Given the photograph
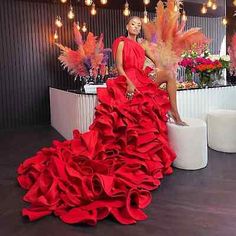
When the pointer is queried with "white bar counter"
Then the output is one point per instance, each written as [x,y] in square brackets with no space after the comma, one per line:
[71,111]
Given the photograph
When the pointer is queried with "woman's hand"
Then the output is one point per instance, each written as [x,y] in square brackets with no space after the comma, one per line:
[130,91]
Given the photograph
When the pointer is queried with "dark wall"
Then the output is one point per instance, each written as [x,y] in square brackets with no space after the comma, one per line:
[231,30]
[28,59]
[231,27]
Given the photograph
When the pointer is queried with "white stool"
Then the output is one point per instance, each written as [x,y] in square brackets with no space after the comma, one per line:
[222,130]
[189,144]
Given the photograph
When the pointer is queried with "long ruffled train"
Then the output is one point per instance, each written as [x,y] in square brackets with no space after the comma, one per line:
[110,169]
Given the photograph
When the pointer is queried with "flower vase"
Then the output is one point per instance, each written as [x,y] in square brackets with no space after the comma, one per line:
[221,77]
[205,80]
[188,75]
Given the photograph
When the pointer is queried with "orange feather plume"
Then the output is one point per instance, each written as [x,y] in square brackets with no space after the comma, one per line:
[90,44]
[89,54]
[167,37]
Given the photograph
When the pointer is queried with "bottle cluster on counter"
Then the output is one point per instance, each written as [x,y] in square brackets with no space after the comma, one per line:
[100,79]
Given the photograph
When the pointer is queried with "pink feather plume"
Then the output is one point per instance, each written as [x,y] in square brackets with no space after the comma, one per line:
[167,37]
[91,50]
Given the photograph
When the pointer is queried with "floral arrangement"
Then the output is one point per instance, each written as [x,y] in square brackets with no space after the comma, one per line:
[201,64]
[88,59]
[207,66]
[167,37]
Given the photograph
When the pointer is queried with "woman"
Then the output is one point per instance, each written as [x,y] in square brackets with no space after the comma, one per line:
[133,28]
[111,169]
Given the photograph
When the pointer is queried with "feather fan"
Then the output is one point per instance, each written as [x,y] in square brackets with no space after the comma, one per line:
[167,37]
[89,55]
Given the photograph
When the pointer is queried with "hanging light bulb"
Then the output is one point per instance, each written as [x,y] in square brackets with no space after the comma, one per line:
[145,16]
[224,21]
[234,2]
[126,11]
[58,22]
[176,8]
[103,2]
[209,3]
[71,13]
[93,10]
[84,27]
[63,1]
[184,17]
[88,2]
[77,25]
[55,36]
[214,6]
[204,9]
[146,2]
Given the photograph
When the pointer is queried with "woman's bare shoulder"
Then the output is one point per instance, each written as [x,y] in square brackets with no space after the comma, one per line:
[121,44]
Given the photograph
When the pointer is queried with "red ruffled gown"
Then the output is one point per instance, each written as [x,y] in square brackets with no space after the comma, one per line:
[111,169]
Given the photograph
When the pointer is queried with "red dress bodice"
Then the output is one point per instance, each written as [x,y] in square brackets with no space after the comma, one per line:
[133,53]
[133,58]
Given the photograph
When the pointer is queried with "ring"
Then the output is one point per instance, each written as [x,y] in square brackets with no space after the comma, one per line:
[130,94]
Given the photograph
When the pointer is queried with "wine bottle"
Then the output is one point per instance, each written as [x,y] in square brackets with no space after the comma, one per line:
[99,78]
[91,79]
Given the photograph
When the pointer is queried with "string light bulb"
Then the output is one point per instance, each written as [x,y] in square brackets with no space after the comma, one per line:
[55,36]
[103,2]
[88,2]
[63,1]
[234,3]
[145,16]
[126,11]
[84,27]
[58,22]
[71,14]
[176,8]
[77,25]
[184,17]
[214,6]
[93,10]
[146,2]
[224,21]
[209,3]
[204,9]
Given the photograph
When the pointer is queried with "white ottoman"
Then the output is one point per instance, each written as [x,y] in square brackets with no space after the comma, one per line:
[222,130]
[189,144]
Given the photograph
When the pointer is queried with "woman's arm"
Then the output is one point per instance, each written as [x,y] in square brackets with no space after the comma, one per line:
[119,64]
